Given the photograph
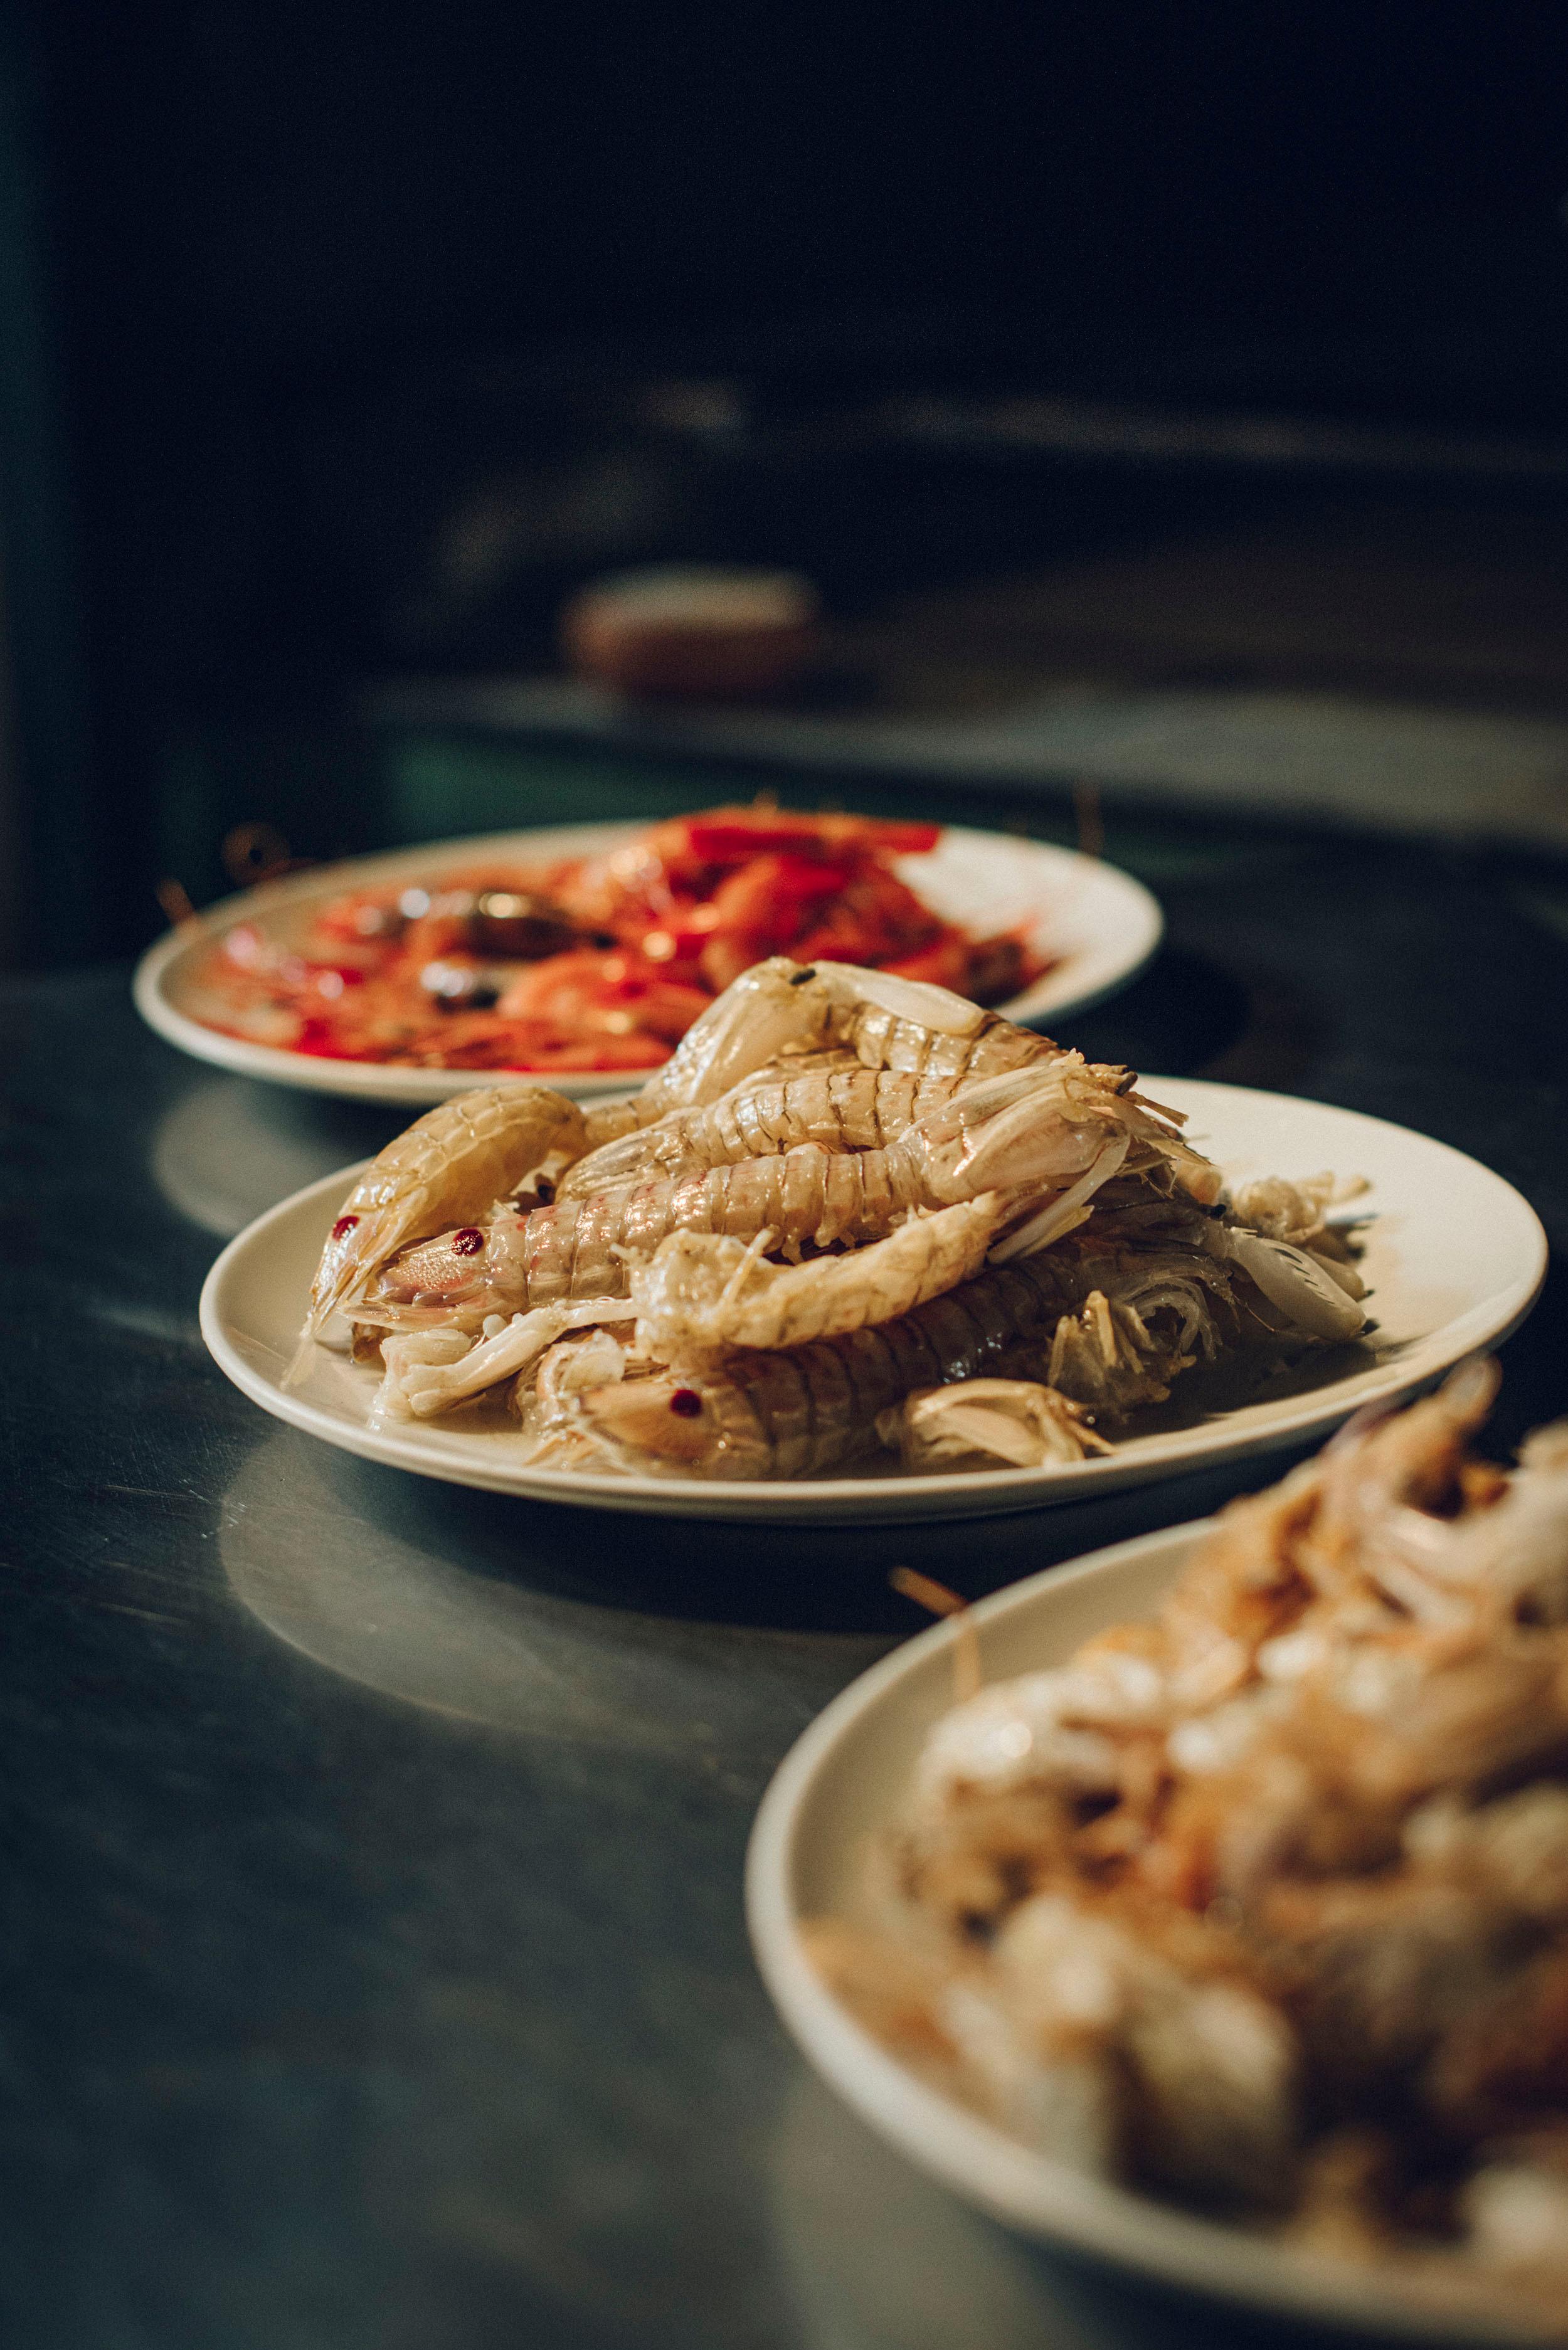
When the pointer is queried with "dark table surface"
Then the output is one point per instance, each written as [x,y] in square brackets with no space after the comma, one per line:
[375,1966]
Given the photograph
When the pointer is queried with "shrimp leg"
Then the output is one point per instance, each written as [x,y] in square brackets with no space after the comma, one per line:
[431,1371]
[1015,1422]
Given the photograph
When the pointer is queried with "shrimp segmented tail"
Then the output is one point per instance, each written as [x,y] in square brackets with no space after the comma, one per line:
[801,1411]
[1029,1131]
[843,1108]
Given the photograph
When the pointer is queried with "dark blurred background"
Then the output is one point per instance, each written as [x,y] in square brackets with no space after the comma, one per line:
[339,344]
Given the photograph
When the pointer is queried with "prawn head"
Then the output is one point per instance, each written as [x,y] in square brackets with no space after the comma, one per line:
[445,1170]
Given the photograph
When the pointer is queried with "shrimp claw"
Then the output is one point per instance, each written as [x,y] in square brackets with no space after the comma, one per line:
[1301,1285]
[773,1004]
[701,1291]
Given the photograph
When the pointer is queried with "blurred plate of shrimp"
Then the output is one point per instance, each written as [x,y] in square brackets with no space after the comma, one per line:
[1172,1906]
[1094,926]
[810,1856]
[1452,1257]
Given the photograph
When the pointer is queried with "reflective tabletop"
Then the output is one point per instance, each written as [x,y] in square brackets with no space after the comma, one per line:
[376,1966]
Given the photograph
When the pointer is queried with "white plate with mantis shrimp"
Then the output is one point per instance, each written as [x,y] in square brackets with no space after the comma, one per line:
[862,1250]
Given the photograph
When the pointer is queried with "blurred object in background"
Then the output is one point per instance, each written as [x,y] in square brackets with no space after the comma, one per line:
[1230,342]
[59,823]
[694,632]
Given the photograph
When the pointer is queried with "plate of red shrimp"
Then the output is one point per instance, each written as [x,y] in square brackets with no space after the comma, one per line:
[863,1249]
[583,953]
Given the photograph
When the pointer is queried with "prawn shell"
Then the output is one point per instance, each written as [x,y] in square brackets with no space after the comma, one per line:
[800,1410]
[842,1107]
[918,1002]
[887,1021]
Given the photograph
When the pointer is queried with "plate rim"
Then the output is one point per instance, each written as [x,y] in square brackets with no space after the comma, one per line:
[954,1494]
[378,1081]
[1112,2225]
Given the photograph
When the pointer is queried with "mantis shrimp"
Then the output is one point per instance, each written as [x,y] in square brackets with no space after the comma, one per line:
[830,1098]
[801,1411]
[1027,1131]
[1096,1327]
[780,1008]
[449,1166]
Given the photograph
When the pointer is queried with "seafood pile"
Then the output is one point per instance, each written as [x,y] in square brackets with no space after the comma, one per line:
[601,962]
[854,1216]
[1263,1902]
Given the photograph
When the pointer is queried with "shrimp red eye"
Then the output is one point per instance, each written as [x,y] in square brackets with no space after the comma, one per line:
[469,1242]
[686,1403]
[343,1227]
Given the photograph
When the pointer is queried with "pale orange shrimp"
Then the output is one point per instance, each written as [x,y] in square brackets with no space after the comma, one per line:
[803,1412]
[843,1106]
[1107,1333]
[779,1007]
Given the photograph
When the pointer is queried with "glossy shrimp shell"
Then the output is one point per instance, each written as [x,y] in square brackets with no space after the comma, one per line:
[579,1248]
[448,1167]
[774,1005]
[780,1007]
[1105,1331]
[843,1106]
[804,1410]
[1021,1133]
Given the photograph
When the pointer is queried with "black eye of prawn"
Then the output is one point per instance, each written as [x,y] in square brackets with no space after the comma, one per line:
[802,976]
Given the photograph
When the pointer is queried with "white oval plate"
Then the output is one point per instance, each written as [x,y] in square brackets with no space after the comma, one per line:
[841,1783]
[1454,1257]
[1102,924]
